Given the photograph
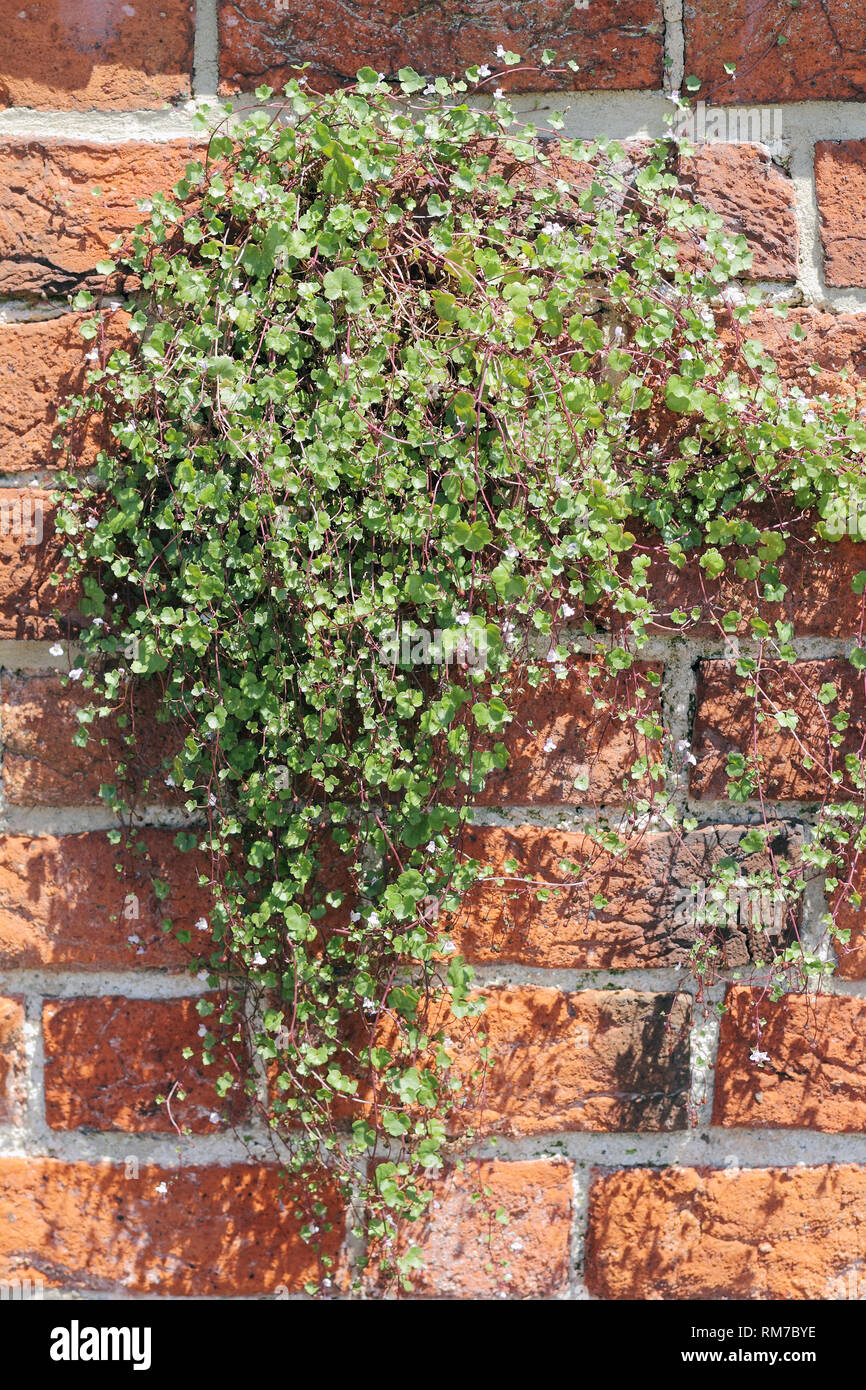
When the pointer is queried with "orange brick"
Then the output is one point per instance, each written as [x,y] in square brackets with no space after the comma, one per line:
[648,921]
[754,198]
[260,42]
[216,1231]
[816,1074]
[468,1253]
[840,184]
[113,56]
[41,364]
[703,1233]
[593,1060]
[13,1061]
[587,742]
[42,766]
[107,1060]
[53,228]
[724,724]
[29,556]
[63,902]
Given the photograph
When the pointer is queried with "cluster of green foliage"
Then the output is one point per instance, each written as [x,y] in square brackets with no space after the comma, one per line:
[405,363]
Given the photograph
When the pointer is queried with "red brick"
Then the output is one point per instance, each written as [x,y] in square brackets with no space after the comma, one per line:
[42,766]
[13,1061]
[468,1253]
[53,230]
[115,56]
[816,1074]
[588,741]
[63,903]
[851,957]
[822,56]
[218,1231]
[42,364]
[616,46]
[29,556]
[647,923]
[592,1060]
[840,185]
[724,723]
[835,343]
[703,1233]
[826,606]
[754,198]
[107,1060]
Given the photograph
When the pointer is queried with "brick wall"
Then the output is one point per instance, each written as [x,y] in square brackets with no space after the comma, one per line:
[640,1154]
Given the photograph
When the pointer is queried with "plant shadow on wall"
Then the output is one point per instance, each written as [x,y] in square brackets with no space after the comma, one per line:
[401,365]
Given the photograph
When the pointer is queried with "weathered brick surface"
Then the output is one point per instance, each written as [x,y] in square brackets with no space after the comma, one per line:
[64,904]
[725,723]
[13,1061]
[835,343]
[754,198]
[814,51]
[616,43]
[851,956]
[53,228]
[215,1230]
[590,1060]
[30,553]
[699,1233]
[468,1253]
[826,606]
[816,1074]
[649,919]
[111,55]
[42,364]
[108,1059]
[557,735]
[42,767]
[840,185]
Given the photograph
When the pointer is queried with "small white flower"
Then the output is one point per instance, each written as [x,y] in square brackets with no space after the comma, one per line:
[259,959]
[99,622]
[756,1055]
[354,916]
[161,1188]
[133,940]
[484,70]
[462,619]
[810,416]
[202,1031]
[552,657]
[429,90]
[91,523]
[381,77]
[91,356]
[550,746]
[211,801]
[214,1117]
[500,50]
[374,920]
[498,94]
[169,781]
[202,975]
[511,552]
[567,610]
[430,847]
[552,229]
[56,650]
[448,948]
[76,673]
[346,359]
[201,924]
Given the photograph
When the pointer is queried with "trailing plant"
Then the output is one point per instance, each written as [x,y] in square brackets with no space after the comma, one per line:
[423,411]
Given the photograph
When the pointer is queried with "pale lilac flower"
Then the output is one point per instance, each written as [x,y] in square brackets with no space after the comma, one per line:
[756,1055]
